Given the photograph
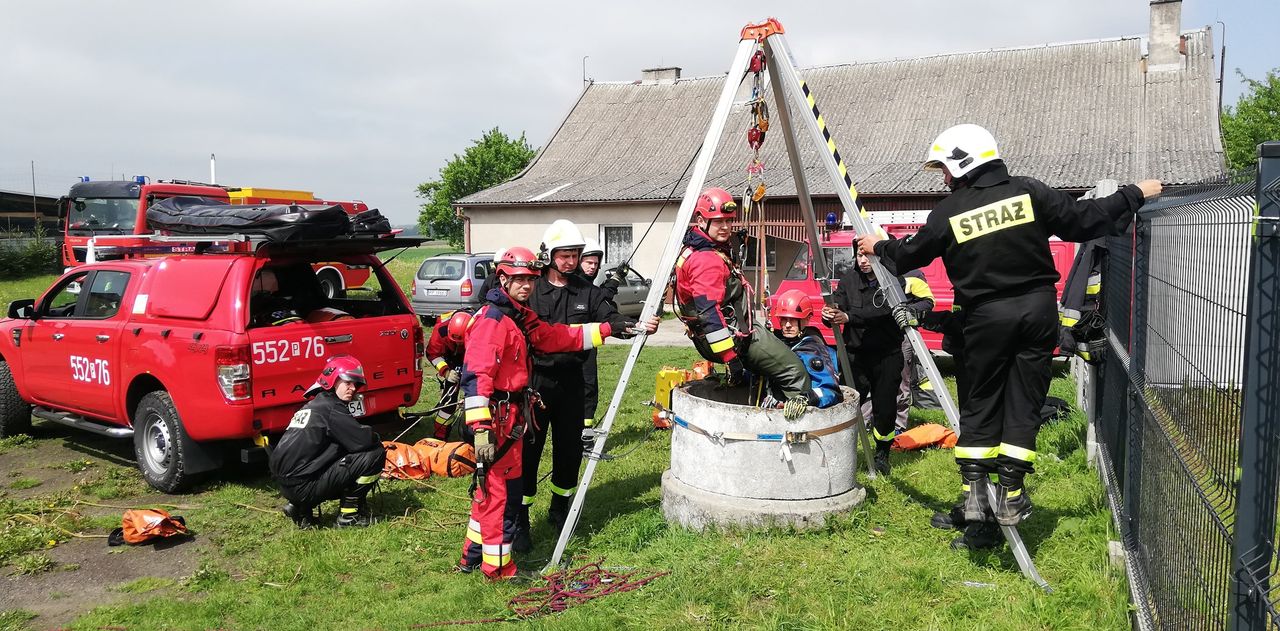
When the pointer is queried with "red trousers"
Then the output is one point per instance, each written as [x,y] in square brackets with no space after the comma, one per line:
[497,503]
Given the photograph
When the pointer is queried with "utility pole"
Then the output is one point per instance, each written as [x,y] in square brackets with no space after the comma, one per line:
[35,212]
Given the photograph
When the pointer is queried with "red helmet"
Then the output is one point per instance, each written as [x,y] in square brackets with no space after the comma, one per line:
[716,203]
[344,367]
[520,261]
[793,303]
[457,327]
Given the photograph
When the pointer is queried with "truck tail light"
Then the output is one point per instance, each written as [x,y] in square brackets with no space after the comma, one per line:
[234,374]
[413,287]
[419,348]
[466,287]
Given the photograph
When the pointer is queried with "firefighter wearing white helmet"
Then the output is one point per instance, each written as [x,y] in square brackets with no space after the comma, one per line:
[992,233]
[563,380]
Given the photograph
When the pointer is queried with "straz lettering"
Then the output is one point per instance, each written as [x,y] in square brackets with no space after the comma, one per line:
[993,217]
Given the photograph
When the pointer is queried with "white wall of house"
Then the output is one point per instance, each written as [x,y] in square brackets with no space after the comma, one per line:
[618,228]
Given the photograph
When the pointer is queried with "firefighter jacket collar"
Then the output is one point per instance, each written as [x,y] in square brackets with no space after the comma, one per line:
[698,240]
[499,298]
[995,173]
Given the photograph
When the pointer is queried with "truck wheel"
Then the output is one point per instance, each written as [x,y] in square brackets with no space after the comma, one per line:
[331,284]
[15,414]
[157,442]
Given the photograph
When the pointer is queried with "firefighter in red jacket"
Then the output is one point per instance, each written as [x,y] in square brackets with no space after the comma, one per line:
[444,351]
[992,234]
[713,299]
[495,377]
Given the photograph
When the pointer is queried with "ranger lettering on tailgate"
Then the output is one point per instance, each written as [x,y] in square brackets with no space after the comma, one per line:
[275,351]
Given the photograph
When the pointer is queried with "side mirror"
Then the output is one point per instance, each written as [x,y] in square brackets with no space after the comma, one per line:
[23,309]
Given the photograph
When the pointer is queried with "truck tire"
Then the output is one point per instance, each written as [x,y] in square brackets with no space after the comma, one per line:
[15,414]
[330,284]
[157,443]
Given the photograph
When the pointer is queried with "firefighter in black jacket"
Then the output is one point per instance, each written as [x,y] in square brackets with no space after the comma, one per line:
[562,296]
[326,453]
[993,233]
[873,335]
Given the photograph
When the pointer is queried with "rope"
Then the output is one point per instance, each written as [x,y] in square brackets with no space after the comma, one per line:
[563,589]
[665,201]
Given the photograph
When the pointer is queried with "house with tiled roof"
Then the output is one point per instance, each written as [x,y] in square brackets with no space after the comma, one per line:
[1070,114]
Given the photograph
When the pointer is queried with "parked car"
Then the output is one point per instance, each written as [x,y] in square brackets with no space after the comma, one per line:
[190,355]
[631,294]
[448,282]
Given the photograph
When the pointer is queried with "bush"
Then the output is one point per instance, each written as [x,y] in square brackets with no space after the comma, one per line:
[23,255]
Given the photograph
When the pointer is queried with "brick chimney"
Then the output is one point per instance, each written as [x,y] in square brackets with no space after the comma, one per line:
[659,76]
[1163,46]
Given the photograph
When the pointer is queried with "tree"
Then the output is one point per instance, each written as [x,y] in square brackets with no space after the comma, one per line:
[493,159]
[1254,119]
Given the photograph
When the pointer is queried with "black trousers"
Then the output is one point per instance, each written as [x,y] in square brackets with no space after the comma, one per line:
[562,392]
[1008,347]
[350,476]
[877,374]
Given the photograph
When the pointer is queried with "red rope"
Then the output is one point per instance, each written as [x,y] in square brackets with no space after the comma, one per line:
[564,589]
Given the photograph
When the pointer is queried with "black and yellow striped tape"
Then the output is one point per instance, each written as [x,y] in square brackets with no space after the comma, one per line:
[831,146]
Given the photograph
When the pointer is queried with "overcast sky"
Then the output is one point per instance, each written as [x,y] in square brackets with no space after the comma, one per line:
[364,100]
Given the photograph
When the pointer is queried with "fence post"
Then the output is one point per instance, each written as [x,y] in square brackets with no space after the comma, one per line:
[1253,548]
[1133,403]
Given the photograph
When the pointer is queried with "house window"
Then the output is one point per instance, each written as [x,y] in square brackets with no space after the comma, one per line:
[617,243]
[752,253]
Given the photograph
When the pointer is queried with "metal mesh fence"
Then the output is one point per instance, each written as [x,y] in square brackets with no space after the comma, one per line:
[1171,401]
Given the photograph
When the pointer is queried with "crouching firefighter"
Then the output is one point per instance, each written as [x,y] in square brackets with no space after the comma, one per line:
[794,309]
[713,299]
[326,453]
[444,350]
[495,378]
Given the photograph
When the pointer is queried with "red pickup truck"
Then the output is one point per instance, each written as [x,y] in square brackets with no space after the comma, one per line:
[193,354]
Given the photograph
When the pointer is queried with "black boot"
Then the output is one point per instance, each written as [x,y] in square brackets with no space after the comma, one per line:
[950,520]
[353,512]
[558,512]
[978,536]
[304,517]
[974,493]
[882,456]
[521,540]
[1013,504]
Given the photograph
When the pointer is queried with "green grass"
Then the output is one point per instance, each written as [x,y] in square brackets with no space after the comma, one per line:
[24,483]
[33,564]
[30,287]
[879,567]
[15,619]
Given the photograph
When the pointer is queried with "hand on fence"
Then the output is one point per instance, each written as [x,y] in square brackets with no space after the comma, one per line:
[1150,188]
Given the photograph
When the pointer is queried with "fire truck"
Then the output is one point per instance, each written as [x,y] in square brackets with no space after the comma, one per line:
[837,244]
[118,207]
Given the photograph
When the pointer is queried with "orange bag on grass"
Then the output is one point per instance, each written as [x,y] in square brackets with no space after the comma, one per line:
[449,460]
[144,524]
[404,462]
[924,436]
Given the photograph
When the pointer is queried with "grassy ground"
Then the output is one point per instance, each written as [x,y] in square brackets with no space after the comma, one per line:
[880,567]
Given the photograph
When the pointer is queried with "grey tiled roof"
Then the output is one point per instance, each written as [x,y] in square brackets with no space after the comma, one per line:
[1069,114]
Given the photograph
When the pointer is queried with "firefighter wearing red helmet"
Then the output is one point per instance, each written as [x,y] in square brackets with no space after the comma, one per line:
[326,453]
[713,299]
[992,233]
[495,377]
[444,351]
[793,310]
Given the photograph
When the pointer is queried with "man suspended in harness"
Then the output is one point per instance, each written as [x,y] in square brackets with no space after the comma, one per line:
[444,351]
[495,378]
[993,233]
[794,310]
[713,298]
[326,453]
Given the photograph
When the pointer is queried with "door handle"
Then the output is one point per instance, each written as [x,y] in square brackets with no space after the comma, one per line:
[103,338]
[58,336]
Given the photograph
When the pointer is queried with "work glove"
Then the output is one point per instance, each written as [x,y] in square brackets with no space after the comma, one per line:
[794,408]
[737,372]
[485,450]
[452,376]
[905,317]
[623,328]
[619,274]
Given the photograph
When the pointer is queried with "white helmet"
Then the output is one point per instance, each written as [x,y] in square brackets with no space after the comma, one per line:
[562,235]
[962,149]
[592,248]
